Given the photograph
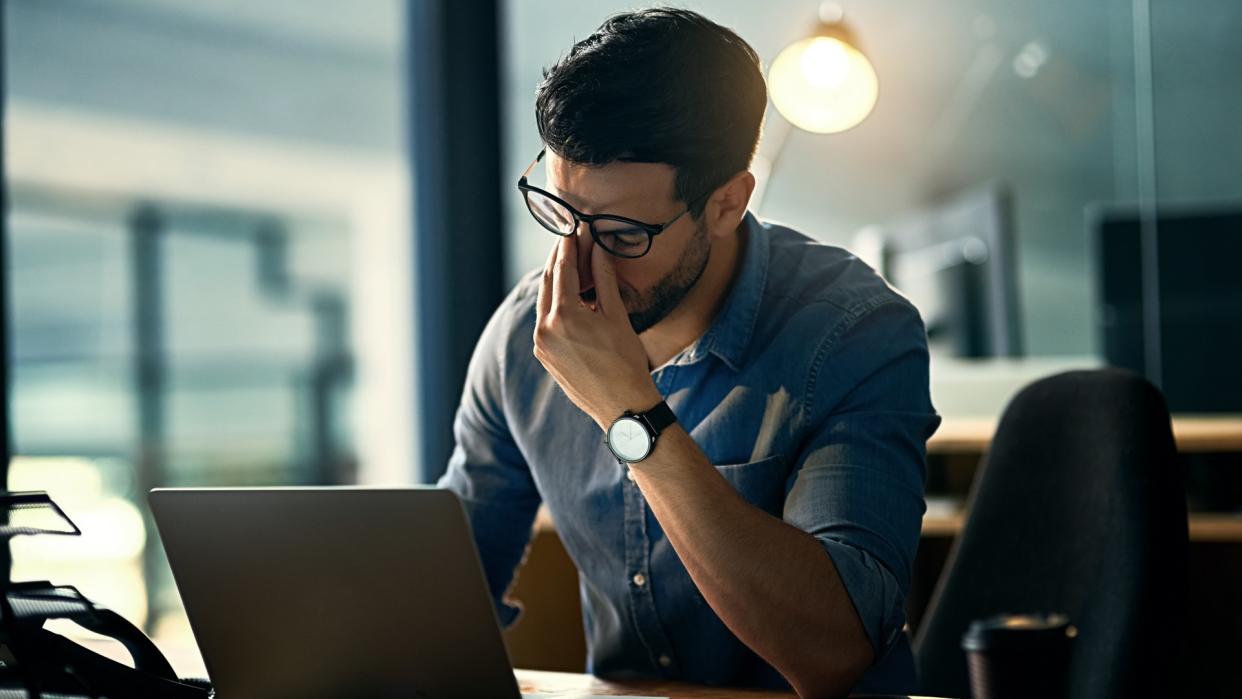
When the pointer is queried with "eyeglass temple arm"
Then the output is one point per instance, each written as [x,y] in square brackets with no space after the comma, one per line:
[532,165]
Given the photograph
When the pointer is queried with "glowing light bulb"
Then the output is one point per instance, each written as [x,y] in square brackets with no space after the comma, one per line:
[823,85]
[825,63]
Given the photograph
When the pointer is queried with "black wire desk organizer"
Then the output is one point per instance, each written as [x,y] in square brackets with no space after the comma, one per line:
[36,662]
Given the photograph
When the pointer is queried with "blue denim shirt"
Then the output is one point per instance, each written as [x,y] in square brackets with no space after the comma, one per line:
[809,393]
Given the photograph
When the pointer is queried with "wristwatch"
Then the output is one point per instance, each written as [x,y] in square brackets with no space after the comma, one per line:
[632,436]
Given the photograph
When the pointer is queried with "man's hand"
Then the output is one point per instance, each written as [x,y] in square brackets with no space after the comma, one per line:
[591,351]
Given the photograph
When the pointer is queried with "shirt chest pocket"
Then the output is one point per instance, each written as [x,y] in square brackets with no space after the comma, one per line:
[761,483]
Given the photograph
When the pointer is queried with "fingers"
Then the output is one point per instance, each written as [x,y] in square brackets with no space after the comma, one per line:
[607,291]
[565,287]
[545,286]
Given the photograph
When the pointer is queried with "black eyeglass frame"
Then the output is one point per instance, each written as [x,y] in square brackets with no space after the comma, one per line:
[651,229]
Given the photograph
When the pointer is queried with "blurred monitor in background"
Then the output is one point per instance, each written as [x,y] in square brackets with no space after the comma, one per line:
[956,262]
[1197,285]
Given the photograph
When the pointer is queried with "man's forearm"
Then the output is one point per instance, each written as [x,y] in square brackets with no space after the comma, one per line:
[771,583]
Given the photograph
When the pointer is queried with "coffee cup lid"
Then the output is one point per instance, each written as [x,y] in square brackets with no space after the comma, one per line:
[1009,630]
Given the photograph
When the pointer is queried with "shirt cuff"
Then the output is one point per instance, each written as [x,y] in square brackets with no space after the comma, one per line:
[877,597]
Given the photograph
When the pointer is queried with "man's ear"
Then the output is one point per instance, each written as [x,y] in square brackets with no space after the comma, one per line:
[727,205]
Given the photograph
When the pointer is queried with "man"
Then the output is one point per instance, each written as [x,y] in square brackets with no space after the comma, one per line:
[756,525]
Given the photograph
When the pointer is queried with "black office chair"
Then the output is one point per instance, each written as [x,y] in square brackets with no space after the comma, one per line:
[1078,508]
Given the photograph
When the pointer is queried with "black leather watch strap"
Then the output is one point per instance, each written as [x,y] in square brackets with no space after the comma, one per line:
[658,418]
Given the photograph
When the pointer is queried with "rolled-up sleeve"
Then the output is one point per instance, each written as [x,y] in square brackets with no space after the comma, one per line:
[487,469]
[857,486]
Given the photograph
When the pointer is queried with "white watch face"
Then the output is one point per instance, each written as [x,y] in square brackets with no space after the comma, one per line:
[629,440]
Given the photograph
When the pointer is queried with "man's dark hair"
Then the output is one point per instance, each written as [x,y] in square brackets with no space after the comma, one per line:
[660,85]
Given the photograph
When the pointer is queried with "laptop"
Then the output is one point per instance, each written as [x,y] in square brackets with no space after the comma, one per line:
[334,592]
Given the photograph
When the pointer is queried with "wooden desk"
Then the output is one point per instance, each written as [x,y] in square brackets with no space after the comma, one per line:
[186,660]
[970,437]
[1194,434]
[569,685]
[1203,526]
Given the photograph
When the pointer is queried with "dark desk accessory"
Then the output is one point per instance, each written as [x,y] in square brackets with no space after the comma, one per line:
[35,662]
[1019,656]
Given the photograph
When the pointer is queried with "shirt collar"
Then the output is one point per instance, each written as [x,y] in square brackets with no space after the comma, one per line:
[730,332]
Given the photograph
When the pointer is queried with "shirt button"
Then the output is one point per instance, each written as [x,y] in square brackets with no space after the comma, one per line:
[639,579]
[629,474]
[665,661]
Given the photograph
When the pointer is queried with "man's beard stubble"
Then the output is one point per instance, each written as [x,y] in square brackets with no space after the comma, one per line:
[671,290]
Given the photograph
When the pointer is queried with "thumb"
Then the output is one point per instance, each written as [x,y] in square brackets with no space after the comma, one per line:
[607,291]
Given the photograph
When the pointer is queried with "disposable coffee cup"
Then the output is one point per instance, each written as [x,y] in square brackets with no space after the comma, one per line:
[1019,656]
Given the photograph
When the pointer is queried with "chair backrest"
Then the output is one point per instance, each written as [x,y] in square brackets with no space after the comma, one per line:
[1078,508]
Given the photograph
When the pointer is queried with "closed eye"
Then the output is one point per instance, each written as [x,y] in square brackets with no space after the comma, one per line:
[626,236]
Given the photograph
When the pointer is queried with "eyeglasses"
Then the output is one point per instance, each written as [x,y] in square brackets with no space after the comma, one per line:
[621,236]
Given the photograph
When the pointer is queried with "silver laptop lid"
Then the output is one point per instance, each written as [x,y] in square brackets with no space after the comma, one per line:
[333,592]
